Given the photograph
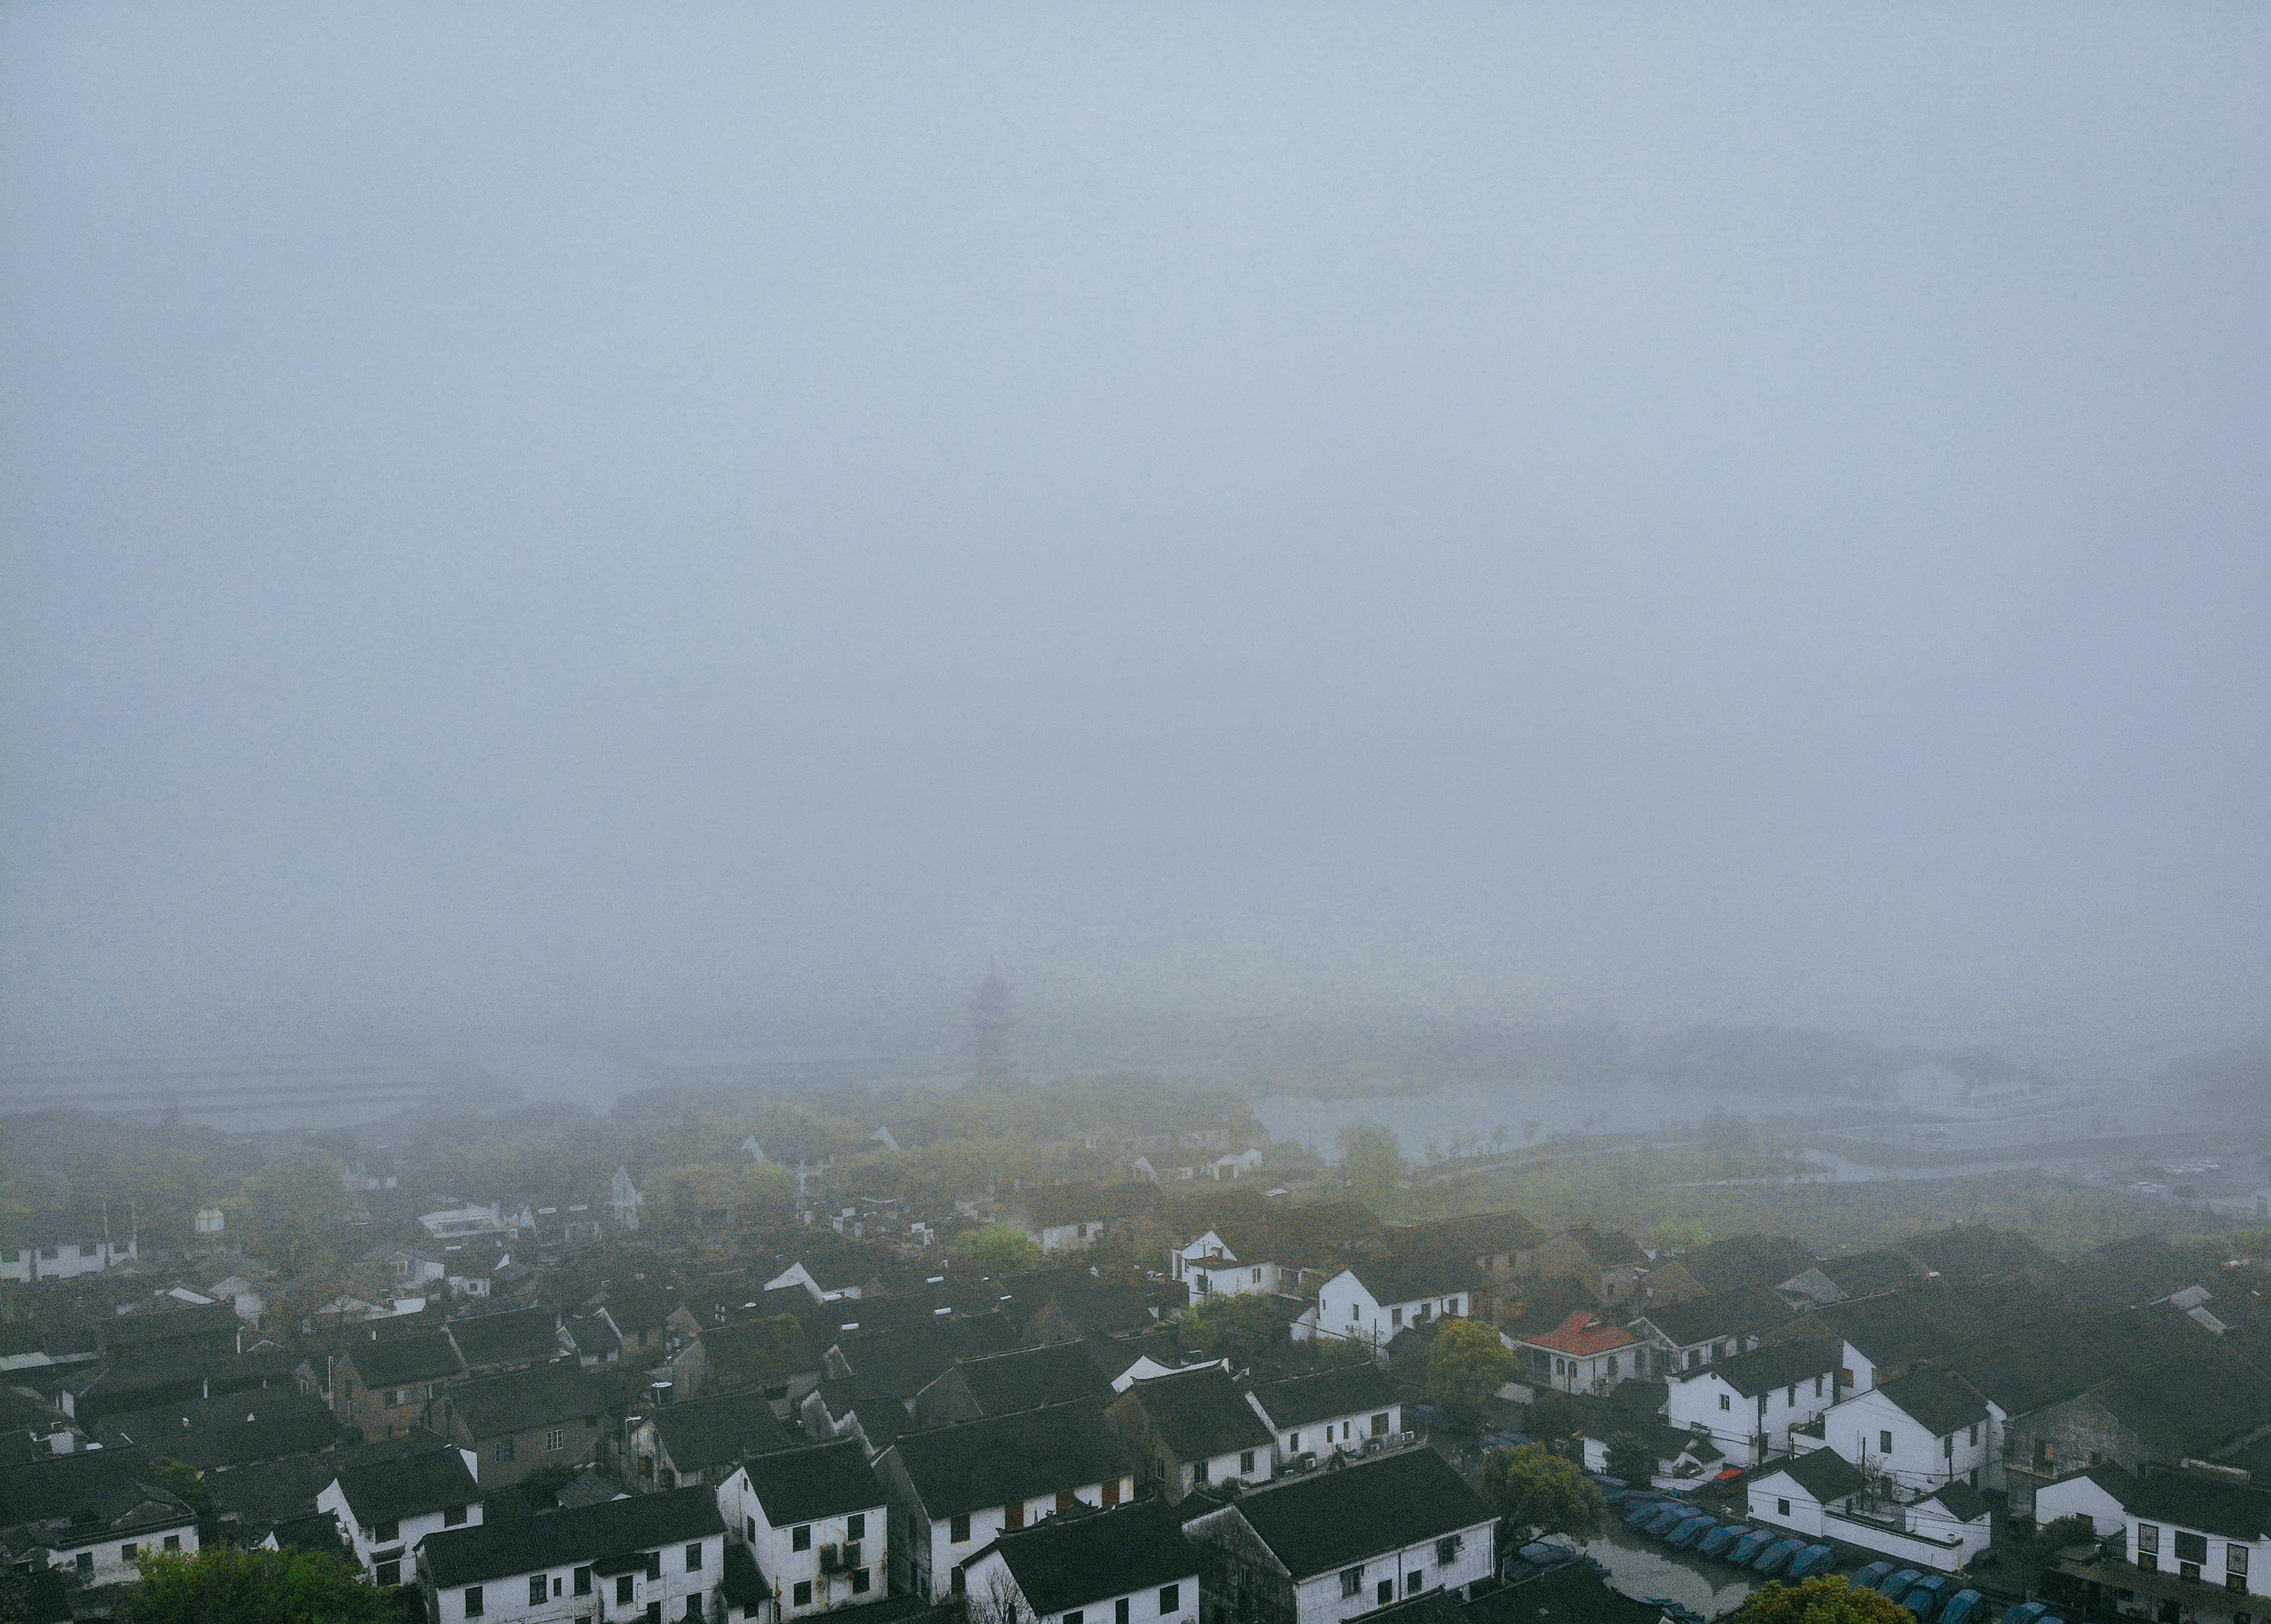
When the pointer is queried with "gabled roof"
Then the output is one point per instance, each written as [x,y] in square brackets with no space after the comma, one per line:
[1324,1395]
[89,1492]
[1936,1400]
[976,1465]
[496,1405]
[1769,1367]
[1027,1378]
[703,1433]
[575,1538]
[1609,1248]
[804,1485]
[1867,1274]
[1582,1335]
[388,1491]
[904,1360]
[1959,1499]
[2190,1500]
[2190,1407]
[398,1361]
[1080,1557]
[1746,1260]
[1747,1310]
[1471,1235]
[1197,1413]
[521,1335]
[1823,1474]
[1415,1277]
[1331,1520]
[230,1431]
[1072,1204]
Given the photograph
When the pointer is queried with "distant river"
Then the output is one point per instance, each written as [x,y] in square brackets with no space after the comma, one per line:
[1480,1107]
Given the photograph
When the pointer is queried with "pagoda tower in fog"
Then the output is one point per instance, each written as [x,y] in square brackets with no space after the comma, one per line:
[993,1033]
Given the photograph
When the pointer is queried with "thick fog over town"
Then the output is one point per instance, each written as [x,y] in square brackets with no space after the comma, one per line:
[1505,725]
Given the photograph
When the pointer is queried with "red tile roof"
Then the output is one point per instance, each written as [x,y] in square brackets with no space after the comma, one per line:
[1583,1334]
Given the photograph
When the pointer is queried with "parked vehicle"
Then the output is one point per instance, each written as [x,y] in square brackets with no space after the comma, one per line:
[1812,1559]
[1749,1545]
[1870,1577]
[1602,1479]
[1689,1532]
[1925,1594]
[1642,1512]
[1666,1519]
[1717,1542]
[1772,1559]
[1547,1554]
[1960,1607]
[1897,1586]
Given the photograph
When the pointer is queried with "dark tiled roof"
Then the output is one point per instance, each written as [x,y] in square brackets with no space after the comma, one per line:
[232,1431]
[387,1491]
[902,1361]
[2189,1407]
[92,1490]
[1332,1519]
[1936,1400]
[745,1587]
[1823,1474]
[1865,1274]
[2234,1510]
[980,1465]
[1028,1378]
[1410,1279]
[1072,1204]
[1772,1366]
[1960,1501]
[1472,1234]
[703,1433]
[1745,1310]
[1303,1400]
[1074,1559]
[523,1335]
[1746,1260]
[397,1361]
[570,1538]
[825,1479]
[496,1406]
[1612,1248]
[1198,1414]
[1572,1594]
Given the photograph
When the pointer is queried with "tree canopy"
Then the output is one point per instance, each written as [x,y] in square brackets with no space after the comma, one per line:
[225,1584]
[1826,1600]
[1370,1160]
[1530,1486]
[1466,1364]
[998,1248]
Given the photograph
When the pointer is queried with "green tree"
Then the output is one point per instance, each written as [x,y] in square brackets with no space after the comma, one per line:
[1827,1600]
[1370,1160]
[1528,1485]
[1466,1365]
[292,1212]
[179,1478]
[1242,1323]
[1631,1458]
[225,1584]
[2043,1548]
[1554,1416]
[998,1248]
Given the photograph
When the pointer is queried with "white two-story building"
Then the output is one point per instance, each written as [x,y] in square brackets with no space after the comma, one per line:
[1748,1404]
[816,1523]
[1916,1432]
[645,1556]
[1131,1563]
[1371,1302]
[388,1507]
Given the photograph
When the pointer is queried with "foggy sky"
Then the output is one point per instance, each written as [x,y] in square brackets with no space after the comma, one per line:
[648,512]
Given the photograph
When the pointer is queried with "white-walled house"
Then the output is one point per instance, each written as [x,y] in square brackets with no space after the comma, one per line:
[1372,1302]
[387,1507]
[1209,1268]
[1796,1494]
[62,1249]
[644,1555]
[816,1521]
[1584,1354]
[1748,1404]
[2101,1494]
[1823,1495]
[623,1195]
[1337,1410]
[2201,1539]
[1335,1544]
[1193,1430]
[94,1512]
[953,1490]
[1918,1431]
[1131,1563]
